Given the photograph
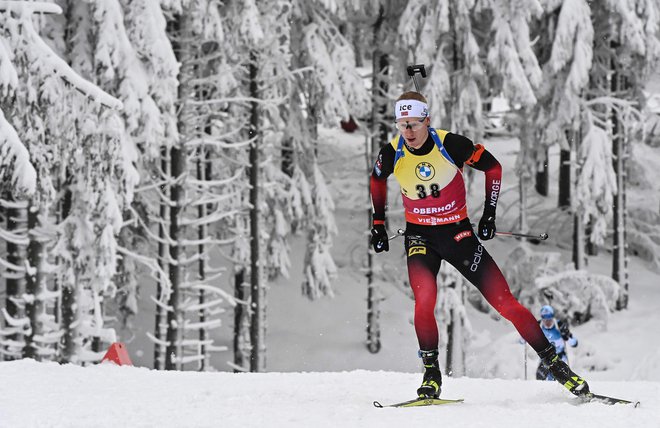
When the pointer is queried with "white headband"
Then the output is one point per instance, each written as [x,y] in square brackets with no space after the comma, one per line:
[410,108]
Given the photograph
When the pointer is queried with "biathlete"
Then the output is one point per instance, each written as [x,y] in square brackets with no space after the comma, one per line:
[428,165]
[558,332]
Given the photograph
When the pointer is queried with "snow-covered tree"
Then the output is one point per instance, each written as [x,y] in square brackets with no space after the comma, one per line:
[326,88]
[445,39]
[627,47]
[205,175]
[50,102]
[146,29]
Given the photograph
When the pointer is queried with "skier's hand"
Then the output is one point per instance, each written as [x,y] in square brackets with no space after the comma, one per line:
[487,228]
[563,329]
[379,239]
[572,342]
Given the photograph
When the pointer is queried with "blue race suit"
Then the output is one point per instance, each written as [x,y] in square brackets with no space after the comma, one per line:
[559,335]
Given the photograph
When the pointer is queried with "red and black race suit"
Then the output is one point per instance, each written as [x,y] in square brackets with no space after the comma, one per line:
[442,230]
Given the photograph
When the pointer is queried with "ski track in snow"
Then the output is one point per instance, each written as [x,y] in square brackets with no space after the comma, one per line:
[107,396]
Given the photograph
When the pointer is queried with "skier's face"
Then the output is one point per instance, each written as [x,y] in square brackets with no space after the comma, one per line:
[548,322]
[414,130]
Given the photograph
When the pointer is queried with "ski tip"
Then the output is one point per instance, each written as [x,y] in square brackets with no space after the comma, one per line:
[377,404]
[604,399]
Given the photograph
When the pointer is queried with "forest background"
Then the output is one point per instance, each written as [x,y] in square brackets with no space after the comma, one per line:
[166,164]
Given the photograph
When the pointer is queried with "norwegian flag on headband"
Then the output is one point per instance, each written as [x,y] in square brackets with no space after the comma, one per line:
[404,113]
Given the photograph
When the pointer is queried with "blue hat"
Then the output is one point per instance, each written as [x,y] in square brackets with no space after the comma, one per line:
[547,312]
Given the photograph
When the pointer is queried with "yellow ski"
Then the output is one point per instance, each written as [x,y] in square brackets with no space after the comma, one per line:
[420,401]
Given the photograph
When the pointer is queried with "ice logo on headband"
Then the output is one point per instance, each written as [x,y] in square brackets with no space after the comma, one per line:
[411,108]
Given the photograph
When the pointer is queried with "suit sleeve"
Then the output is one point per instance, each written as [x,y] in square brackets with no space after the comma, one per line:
[383,167]
[463,151]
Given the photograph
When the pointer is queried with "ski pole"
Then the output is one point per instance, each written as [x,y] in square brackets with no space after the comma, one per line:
[399,232]
[525,354]
[413,70]
[542,236]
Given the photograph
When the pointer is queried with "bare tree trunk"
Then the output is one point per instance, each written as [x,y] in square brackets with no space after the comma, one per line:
[380,89]
[451,338]
[255,283]
[160,325]
[35,285]
[579,243]
[178,158]
[524,173]
[68,300]
[373,300]
[14,280]
[591,248]
[203,173]
[380,85]
[174,316]
[457,63]
[620,245]
[564,200]
[542,183]
[455,352]
[240,319]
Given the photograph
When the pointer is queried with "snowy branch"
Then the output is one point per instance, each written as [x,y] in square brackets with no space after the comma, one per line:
[15,157]
[66,73]
[15,322]
[30,7]
[147,261]
[216,216]
[211,289]
[14,238]
[205,325]
[156,340]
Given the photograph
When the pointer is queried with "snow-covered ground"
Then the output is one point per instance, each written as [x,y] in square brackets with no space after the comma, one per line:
[319,370]
[107,396]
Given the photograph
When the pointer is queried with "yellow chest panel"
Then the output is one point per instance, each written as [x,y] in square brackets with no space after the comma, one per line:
[432,171]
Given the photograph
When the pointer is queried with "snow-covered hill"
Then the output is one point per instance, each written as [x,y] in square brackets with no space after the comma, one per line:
[39,395]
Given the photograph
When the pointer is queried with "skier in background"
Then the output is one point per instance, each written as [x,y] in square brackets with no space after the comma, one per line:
[557,332]
[428,165]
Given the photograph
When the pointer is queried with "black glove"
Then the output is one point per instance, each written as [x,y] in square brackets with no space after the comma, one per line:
[379,239]
[563,329]
[486,227]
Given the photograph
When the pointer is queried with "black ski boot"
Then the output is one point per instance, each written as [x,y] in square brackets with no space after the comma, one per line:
[562,373]
[432,376]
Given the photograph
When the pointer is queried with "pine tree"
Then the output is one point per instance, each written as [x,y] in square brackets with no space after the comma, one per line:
[515,65]
[46,127]
[627,47]
[145,28]
[199,32]
[387,15]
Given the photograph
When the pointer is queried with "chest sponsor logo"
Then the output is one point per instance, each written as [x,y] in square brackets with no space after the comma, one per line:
[416,250]
[435,210]
[461,235]
[424,171]
[438,220]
